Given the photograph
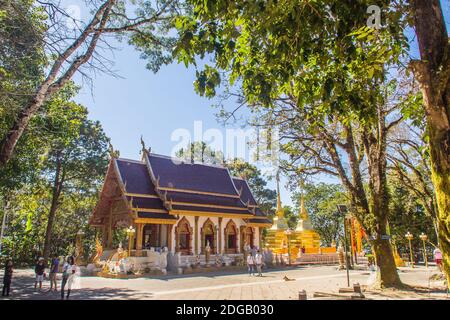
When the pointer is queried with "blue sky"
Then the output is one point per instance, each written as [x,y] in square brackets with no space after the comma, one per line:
[151,105]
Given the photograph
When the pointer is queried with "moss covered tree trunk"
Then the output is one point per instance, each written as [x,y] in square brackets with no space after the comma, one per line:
[433,75]
[375,145]
[384,257]
[371,206]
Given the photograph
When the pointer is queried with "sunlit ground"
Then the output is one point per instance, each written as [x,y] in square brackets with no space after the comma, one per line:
[236,286]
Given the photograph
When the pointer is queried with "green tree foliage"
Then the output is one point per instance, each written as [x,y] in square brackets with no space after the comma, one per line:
[291,217]
[62,51]
[77,158]
[55,197]
[319,58]
[321,202]
[21,67]
[22,56]
[199,151]
[408,214]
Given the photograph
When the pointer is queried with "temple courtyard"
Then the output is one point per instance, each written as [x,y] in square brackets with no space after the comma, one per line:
[320,282]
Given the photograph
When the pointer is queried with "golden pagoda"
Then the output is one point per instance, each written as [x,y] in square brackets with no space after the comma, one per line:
[303,236]
[309,237]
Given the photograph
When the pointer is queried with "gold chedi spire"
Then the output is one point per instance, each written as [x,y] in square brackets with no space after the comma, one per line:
[303,213]
[304,223]
[280,211]
[279,221]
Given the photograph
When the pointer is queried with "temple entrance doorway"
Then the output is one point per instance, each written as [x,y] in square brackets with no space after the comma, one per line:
[247,237]
[208,236]
[231,234]
[183,236]
[155,236]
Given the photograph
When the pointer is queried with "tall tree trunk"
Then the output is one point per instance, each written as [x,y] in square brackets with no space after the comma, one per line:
[384,257]
[379,207]
[371,212]
[8,143]
[52,83]
[433,75]
[56,192]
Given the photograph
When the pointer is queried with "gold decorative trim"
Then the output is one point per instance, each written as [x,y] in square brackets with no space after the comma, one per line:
[209,214]
[254,224]
[150,210]
[208,206]
[141,195]
[200,192]
[154,221]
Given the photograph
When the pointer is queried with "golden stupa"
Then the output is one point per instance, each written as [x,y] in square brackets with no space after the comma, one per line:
[303,236]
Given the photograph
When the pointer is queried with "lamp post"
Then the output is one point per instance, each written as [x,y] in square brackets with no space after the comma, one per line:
[424,239]
[288,233]
[342,209]
[409,236]
[130,232]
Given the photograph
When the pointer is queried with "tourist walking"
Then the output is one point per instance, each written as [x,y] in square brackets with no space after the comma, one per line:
[39,270]
[66,272]
[251,265]
[438,258]
[7,278]
[74,279]
[259,262]
[53,271]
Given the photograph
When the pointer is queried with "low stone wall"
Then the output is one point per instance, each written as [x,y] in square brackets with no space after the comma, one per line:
[181,264]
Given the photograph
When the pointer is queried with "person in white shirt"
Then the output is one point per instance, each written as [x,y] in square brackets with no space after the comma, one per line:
[66,273]
[259,262]
[74,279]
[251,265]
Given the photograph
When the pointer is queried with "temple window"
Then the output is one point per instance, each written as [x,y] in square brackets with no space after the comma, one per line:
[247,237]
[183,237]
[230,237]
[208,236]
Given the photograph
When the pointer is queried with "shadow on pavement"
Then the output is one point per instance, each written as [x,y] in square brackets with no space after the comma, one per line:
[22,288]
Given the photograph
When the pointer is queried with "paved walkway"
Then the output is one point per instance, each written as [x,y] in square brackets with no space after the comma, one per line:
[231,286]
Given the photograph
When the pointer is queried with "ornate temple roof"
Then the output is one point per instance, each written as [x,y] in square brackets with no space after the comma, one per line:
[244,190]
[160,187]
[175,174]
[135,177]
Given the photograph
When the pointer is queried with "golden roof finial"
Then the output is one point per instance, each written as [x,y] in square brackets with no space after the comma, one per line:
[113,153]
[144,148]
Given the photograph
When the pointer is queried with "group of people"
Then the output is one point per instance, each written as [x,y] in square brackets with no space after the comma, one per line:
[70,275]
[255,261]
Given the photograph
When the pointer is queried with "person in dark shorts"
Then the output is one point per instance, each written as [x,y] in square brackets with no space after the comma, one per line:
[7,278]
[39,270]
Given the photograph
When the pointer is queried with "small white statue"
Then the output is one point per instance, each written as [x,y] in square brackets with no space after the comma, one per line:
[218,261]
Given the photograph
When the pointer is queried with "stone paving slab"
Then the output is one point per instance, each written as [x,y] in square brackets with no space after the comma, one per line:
[229,286]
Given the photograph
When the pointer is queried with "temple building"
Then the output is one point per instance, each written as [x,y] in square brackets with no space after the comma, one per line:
[177,206]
